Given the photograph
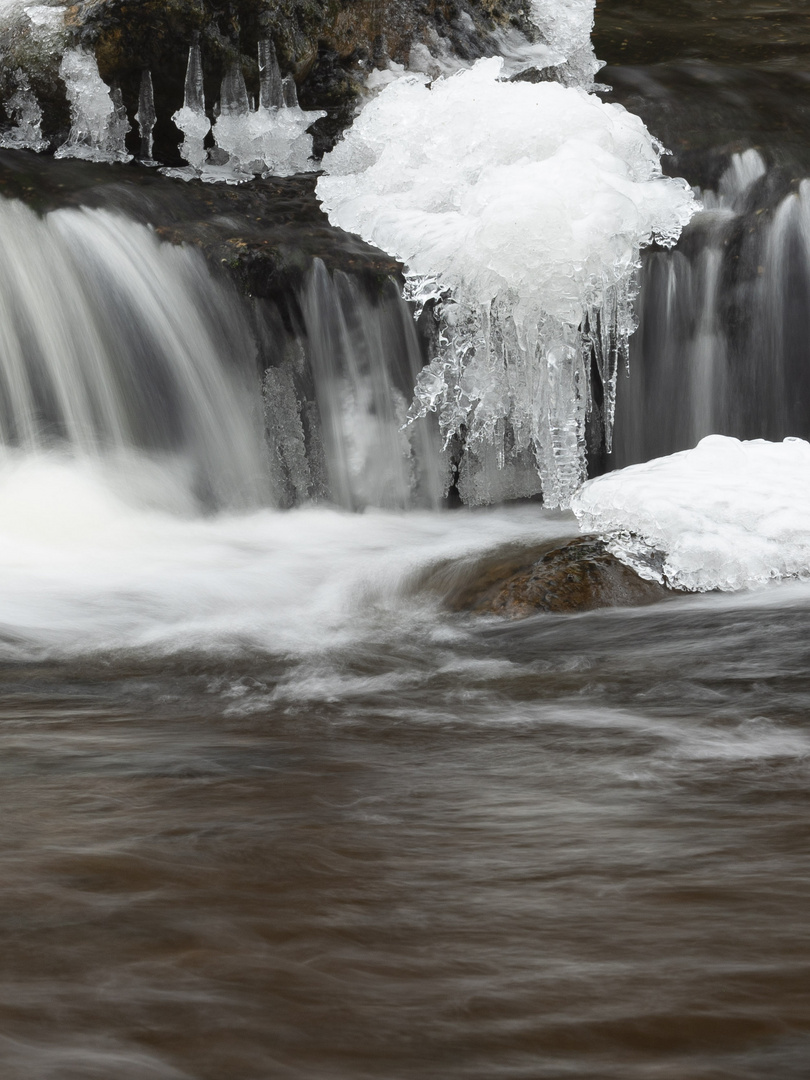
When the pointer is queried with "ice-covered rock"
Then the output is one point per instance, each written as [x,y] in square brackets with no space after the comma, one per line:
[98,118]
[523,208]
[726,515]
[23,108]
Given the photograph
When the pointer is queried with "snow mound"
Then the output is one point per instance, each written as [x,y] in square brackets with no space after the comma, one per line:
[524,207]
[726,515]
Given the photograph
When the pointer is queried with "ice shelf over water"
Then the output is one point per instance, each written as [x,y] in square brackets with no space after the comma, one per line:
[523,208]
[726,515]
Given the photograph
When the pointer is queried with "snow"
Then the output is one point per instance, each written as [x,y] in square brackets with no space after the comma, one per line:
[726,515]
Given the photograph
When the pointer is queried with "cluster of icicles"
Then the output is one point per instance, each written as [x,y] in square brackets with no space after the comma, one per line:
[249,140]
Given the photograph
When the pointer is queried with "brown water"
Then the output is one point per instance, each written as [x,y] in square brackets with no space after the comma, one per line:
[384,841]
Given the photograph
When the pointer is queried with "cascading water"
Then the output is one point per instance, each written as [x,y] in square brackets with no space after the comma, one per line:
[117,348]
[721,344]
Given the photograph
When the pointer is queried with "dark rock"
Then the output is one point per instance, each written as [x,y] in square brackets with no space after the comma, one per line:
[263,235]
[580,575]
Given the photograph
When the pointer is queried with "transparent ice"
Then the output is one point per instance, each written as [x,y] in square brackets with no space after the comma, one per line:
[23,108]
[191,119]
[146,117]
[98,119]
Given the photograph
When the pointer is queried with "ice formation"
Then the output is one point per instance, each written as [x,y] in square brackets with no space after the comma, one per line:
[191,119]
[726,515]
[24,109]
[98,118]
[522,207]
[566,28]
[269,140]
[146,117]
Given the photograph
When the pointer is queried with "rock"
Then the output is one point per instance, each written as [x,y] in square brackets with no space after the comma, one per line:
[328,45]
[264,235]
[580,575]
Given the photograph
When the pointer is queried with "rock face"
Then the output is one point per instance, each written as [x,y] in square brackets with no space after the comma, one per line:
[328,45]
[263,236]
[580,575]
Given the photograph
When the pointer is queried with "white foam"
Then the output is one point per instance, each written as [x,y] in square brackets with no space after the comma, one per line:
[726,515]
[528,203]
[91,562]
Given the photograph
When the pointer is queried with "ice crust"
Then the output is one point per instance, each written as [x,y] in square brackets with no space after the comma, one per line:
[522,208]
[98,118]
[726,515]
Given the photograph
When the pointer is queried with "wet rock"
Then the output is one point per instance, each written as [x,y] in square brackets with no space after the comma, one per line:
[580,575]
[264,235]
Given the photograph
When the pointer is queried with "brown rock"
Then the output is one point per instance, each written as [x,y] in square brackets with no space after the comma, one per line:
[580,575]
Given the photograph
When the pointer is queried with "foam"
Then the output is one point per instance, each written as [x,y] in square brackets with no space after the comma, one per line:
[726,515]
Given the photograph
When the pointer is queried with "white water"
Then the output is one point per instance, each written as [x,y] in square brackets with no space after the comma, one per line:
[89,566]
[112,342]
[723,324]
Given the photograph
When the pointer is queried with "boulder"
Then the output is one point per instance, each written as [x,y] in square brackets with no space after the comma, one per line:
[580,575]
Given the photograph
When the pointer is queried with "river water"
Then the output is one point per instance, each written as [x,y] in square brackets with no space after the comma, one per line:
[269,809]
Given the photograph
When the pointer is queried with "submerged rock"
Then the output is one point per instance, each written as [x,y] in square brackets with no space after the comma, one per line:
[580,575]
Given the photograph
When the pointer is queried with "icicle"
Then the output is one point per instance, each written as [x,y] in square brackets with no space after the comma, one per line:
[24,109]
[191,119]
[280,143]
[270,93]
[289,92]
[146,117]
[233,131]
[98,119]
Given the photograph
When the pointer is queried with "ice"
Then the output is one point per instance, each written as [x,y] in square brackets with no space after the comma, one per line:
[271,140]
[523,208]
[146,117]
[566,27]
[232,129]
[191,119]
[271,95]
[98,119]
[24,109]
[726,515]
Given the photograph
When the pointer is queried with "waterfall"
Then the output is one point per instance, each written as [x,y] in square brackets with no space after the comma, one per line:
[723,323]
[122,351]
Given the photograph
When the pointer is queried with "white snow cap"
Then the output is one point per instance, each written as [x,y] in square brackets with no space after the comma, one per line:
[529,204]
[726,515]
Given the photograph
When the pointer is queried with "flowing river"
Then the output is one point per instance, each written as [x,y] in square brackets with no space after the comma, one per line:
[270,809]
